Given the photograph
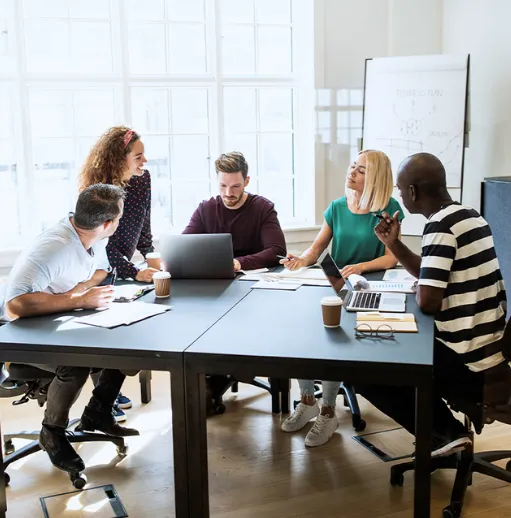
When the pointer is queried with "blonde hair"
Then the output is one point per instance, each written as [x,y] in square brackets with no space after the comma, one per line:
[233,162]
[378,183]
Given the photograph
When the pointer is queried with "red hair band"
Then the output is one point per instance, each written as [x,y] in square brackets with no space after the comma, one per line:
[127,137]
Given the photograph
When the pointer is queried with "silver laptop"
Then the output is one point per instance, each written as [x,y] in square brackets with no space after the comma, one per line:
[359,300]
[197,256]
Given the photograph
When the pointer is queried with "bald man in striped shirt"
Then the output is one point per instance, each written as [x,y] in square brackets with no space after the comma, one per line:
[460,283]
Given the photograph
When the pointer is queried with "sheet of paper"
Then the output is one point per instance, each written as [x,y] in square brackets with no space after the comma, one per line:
[302,273]
[398,275]
[122,314]
[254,272]
[279,285]
[389,286]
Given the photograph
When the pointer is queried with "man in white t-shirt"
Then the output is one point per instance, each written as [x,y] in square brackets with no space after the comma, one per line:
[62,271]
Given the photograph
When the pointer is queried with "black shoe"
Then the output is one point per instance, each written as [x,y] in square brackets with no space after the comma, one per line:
[62,455]
[93,419]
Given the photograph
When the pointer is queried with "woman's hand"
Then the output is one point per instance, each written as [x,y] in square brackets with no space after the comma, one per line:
[146,275]
[350,269]
[292,262]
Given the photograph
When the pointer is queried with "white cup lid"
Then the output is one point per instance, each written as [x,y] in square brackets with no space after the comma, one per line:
[153,255]
[161,275]
[331,301]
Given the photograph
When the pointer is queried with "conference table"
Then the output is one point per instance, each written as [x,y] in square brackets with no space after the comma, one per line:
[224,327]
[281,334]
[153,344]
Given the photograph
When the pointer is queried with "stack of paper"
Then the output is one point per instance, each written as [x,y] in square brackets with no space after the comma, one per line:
[123,314]
[402,323]
[305,276]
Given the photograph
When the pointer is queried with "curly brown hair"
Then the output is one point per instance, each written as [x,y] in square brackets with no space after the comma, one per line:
[106,160]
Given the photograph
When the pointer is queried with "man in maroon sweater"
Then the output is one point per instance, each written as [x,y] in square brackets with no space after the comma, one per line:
[252,221]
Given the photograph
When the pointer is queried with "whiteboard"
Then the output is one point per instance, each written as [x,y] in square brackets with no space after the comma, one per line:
[415,104]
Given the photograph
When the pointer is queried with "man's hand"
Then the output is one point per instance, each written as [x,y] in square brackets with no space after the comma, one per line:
[237,265]
[388,228]
[97,297]
[350,269]
[146,275]
[292,262]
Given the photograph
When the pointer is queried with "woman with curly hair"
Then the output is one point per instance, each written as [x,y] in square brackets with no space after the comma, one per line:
[118,158]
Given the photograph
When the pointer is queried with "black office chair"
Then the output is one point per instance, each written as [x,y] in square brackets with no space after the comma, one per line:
[217,386]
[32,383]
[467,462]
[350,401]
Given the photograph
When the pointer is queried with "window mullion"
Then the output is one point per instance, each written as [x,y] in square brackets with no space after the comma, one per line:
[24,168]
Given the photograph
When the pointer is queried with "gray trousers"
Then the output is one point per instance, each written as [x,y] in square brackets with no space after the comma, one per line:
[67,385]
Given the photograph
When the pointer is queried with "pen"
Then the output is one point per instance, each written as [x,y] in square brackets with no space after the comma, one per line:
[283,257]
[114,276]
[379,216]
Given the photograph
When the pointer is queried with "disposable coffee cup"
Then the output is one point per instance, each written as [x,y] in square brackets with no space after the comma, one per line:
[331,308]
[161,281]
[153,260]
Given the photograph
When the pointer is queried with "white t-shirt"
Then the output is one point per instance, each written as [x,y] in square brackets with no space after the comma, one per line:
[55,263]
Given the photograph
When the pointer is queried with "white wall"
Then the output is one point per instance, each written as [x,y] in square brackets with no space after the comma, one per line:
[348,32]
[481,28]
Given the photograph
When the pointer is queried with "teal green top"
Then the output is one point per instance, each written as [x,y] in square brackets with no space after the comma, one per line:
[354,240]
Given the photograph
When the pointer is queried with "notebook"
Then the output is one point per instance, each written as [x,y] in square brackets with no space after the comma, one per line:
[403,323]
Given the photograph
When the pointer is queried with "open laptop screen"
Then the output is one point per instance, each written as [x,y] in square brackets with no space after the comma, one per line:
[332,272]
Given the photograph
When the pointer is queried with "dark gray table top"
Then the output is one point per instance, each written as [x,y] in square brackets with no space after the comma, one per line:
[197,305]
[288,324]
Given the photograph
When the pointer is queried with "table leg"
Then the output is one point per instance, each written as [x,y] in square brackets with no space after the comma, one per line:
[145,386]
[197,444]
[285,396]
[423,425]
[275,395]
[3,497]
[178,400]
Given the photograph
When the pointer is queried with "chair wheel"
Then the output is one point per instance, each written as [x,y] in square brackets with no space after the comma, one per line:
[7,478]
[78,480]
[9,447]
[360,426]
[122,451]
[219,409]
[451,512]
[396,478]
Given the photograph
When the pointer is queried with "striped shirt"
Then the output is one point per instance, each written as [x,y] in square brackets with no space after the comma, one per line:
[458,255]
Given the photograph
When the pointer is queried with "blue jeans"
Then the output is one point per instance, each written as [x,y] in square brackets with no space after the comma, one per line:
[330,390]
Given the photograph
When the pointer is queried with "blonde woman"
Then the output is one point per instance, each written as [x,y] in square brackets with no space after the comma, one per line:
[349,223]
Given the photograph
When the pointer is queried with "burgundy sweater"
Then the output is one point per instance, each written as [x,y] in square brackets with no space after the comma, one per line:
[134,230]
[257,238]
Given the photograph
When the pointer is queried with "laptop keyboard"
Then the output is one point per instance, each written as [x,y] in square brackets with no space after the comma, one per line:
[366,300]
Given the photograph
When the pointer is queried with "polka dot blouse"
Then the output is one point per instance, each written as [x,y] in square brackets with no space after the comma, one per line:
[134,230]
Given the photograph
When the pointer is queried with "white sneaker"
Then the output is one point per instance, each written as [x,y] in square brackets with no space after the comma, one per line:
[451,447]
[300,417]
[323,429]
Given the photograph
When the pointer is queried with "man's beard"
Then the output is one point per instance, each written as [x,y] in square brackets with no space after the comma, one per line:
[232,201]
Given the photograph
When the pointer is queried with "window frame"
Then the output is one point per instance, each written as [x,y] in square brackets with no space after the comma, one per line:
[300,80]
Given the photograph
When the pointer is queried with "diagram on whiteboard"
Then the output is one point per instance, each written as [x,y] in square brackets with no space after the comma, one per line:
[417,104]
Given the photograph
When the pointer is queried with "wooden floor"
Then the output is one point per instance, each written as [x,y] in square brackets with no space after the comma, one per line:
[255,470]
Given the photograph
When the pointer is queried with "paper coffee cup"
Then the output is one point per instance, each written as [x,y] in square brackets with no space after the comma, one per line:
[331,308]
[153,260]
[161,281]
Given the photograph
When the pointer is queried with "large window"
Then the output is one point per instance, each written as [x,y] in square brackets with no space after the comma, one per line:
[195,78]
